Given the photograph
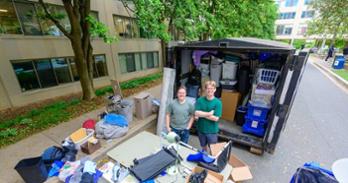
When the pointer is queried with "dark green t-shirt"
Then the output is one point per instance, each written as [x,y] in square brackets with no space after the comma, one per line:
[205,125]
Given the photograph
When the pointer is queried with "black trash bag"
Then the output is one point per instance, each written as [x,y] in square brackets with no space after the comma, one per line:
[310,174]
[32,170]
[52,154]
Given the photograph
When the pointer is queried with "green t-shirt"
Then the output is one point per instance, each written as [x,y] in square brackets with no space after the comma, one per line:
[205,125]
[180,114]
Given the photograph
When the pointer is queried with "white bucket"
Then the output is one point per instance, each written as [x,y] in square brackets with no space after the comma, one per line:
[340,170]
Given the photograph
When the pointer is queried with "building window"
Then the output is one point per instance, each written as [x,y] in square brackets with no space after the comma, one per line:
[61,70]
[290,3]
[48,27]
[302,30]
[26,75]
[289,15]
[43,73]
[32,18]
[28,17]
[100,66]
[131,62]
[283,30]
[307,14]
[9,23]
[126,27]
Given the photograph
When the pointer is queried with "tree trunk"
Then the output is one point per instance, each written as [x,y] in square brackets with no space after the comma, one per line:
[82,70]
[164,52]
[80,40]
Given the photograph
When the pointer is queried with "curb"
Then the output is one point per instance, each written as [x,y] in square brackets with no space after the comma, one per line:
[333,75]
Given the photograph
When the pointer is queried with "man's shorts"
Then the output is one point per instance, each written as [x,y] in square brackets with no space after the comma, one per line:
[207,138]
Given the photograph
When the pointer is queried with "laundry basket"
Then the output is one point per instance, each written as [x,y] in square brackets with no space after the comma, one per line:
[267,76]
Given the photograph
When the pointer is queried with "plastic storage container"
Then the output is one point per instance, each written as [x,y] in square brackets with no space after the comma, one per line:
[240,115]
[267,76]
[254,126]
[229,70]
[32,170]
[126,108]
[257,112]
[262,97]
[228,84]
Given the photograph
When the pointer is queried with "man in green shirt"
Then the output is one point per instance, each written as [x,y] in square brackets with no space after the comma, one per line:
[179,117]
[208,111]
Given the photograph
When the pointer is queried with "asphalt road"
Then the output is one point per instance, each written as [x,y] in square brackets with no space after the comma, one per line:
[317,130]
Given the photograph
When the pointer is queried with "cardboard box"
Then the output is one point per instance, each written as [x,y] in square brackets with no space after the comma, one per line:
[240,170]
[212,177]
[230,100]
[143,105]
[216,148]
[90,148]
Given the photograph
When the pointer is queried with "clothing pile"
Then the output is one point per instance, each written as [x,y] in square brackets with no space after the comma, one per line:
[112,126]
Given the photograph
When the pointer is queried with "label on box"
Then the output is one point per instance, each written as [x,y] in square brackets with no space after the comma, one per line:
[257,112]
[254,124]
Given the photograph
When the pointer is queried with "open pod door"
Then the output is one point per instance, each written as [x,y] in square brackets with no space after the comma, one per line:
[292,75]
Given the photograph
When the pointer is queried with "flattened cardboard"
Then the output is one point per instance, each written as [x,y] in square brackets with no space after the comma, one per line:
[240,170]
[216,148]
[212,177]
[230,102]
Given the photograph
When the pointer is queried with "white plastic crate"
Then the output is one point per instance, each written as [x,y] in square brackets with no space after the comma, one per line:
[90,133]
[267,76]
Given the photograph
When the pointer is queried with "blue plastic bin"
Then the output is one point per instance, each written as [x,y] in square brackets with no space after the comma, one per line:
[339,62]
[257,112]
[254,126]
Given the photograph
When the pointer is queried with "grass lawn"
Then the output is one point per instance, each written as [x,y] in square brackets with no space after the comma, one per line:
[37,119]
[343,73]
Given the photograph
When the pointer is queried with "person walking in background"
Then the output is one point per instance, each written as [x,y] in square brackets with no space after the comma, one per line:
[180,115]
[330,52]
[208,111]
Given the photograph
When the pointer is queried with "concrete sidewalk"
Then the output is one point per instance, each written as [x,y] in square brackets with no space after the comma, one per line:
[34,145]
[326,68]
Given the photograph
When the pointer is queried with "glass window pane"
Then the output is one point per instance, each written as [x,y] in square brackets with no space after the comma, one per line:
[143,61]
[130,62]
[100,65]
[28,17]
[128,28]
[48,27]
[150,61]
[9,23]
[119,28]
[156,59]
[122,61]
[26,75]
[74,69]
[61,69]
[45,73]
[138,63]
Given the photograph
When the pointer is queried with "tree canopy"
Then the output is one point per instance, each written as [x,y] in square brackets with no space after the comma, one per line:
[331,20]
[204,19]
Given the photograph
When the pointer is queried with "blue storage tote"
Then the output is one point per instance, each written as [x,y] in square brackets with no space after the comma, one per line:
[254,126]
[257,112]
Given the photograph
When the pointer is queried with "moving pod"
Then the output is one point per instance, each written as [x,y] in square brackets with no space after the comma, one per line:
[257,81]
